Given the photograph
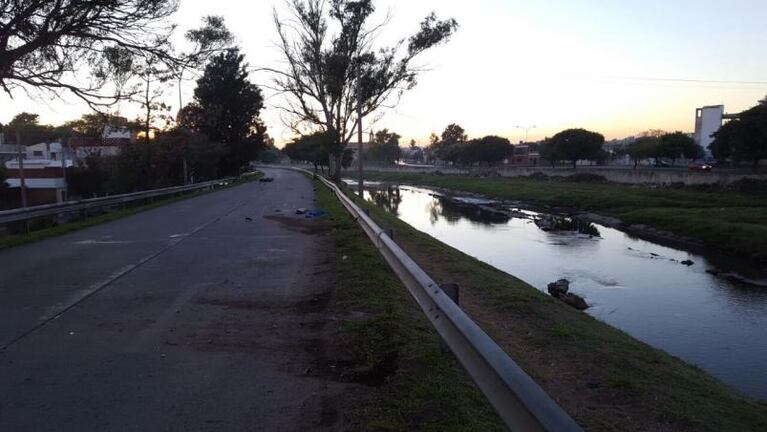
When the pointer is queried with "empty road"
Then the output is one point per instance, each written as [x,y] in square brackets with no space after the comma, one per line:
[198,315]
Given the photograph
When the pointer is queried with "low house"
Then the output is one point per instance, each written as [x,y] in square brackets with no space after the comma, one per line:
[110,143]
[524,155]
[44,176]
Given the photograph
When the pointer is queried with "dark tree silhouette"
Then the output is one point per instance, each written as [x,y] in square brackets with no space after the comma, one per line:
[385,147]
[678,144]
[46,44]
[744,138]
[577,144]
[226,108]
[490,150]
[642,148]
[315,148]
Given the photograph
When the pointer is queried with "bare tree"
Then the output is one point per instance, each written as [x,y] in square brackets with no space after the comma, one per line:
[49,44]
[328,75]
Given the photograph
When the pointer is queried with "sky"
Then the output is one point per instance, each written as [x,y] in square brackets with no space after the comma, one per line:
[520,66]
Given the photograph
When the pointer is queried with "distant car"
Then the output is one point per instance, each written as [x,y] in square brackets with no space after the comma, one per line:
[699,166]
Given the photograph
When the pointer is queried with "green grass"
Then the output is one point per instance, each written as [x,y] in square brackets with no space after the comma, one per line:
[428,391]
[603,377]
[724,221]
[13,240]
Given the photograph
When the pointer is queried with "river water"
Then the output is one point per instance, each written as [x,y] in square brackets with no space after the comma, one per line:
[638,286]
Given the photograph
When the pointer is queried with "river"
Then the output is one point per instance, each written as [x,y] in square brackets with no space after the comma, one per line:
[638,286]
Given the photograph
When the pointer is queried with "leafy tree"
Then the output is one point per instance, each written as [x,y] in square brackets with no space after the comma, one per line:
[456,153]
[48,44]
[269,155]
[179,146]
[722,145]
[89,178]
[315,148]
[28,125]
[450,137]
[642,148]
[549,152]
[678,144]
[385,147]
[490,149]
[453,134]
[130,171]
[744,138]
[226,109]
[3,178]
[433,139]
[577,144]
[329,72]
[6,200]
[93,124]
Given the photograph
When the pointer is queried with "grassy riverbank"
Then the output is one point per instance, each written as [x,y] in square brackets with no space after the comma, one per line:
[603,377]
[387,343]
[44,232]
[725,221]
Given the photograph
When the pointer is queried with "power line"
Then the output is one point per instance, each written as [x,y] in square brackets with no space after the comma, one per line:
[684,80]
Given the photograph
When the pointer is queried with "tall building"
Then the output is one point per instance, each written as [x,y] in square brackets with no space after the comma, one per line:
[708,120]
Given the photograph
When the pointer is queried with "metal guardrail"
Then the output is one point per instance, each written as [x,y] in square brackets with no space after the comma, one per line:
[28,213]
[520,402]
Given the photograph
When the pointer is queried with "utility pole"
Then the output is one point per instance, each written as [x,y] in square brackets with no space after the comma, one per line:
[64,197]
[21,170]
[359,129]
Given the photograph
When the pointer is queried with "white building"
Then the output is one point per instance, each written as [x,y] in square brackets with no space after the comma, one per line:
[708,120]
[44,177]
[111,143]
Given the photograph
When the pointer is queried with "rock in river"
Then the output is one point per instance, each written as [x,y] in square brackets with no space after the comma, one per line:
[575,301]
[559,290]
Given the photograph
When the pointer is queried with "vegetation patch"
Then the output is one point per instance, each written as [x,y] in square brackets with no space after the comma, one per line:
[389,345]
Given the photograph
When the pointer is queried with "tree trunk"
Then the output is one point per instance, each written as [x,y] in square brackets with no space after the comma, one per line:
[335,166]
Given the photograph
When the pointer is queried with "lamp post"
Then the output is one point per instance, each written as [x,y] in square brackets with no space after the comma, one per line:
[359,129]
[526,129]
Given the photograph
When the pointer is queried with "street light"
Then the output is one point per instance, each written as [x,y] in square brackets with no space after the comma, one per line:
[527,130]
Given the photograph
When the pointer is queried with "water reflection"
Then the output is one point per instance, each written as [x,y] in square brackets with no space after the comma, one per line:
[388,198]
[562,223]
[454,211]
[641,287]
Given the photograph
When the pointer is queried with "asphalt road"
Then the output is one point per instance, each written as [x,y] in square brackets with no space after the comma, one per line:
[185,317]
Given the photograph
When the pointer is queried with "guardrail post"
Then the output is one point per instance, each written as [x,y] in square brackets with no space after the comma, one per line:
[452,291]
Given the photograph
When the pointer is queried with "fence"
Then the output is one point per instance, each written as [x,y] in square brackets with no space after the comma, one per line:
[29,213]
